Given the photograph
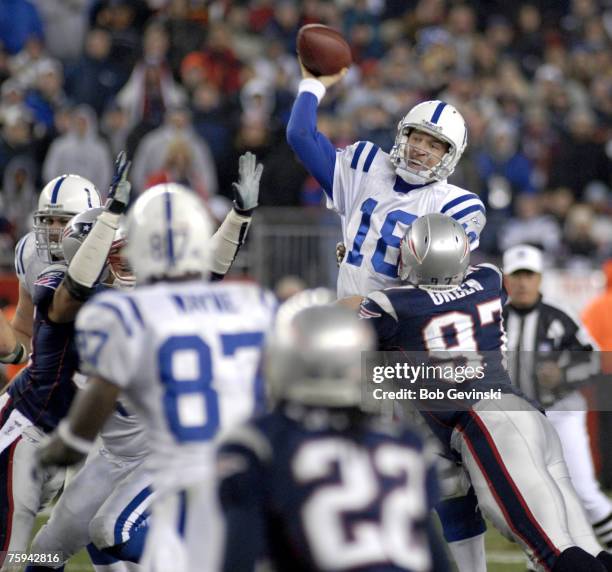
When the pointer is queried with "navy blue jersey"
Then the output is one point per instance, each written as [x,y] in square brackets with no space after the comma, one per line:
[43,391]
[467,319]
[313,489]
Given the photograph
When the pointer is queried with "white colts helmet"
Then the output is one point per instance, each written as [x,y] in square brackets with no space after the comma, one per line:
[61,199]
[168,234]
[442,121]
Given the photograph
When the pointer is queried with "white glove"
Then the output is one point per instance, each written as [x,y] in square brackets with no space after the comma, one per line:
[246,190]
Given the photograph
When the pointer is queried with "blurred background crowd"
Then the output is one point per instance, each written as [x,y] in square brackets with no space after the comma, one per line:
[186,86]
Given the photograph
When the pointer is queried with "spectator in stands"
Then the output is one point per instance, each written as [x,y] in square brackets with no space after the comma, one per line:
[179,168]
[65,25]
[218,60]
[20,193]
[530,226]
[81,150]
[153,149]
[151,89]
[580,158]
[95,78]
[48,94]
[19,21]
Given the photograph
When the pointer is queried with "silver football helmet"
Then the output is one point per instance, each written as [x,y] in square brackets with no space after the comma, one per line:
[61,199]
[75,233]
[313,356]
[434,253]
[442,121]
[169,234]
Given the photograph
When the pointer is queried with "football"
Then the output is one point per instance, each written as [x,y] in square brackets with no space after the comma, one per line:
[323,50]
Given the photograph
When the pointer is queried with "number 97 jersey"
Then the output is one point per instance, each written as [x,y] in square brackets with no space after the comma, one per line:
[187,357]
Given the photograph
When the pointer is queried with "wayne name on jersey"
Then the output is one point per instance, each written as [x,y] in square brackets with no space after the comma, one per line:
[122,433]
[376,206]
[180,353]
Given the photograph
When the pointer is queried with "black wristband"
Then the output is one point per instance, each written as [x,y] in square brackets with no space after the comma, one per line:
[243,212]
[115,207]
[78,291]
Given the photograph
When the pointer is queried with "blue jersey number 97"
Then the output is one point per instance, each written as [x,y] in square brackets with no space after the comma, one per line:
[186,371]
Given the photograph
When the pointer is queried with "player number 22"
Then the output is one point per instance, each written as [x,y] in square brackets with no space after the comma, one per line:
[341,540]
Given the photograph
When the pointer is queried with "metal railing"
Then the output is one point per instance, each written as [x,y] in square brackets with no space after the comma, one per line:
[291,242]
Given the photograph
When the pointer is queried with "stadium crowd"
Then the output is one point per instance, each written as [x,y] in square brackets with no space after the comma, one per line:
[188,86]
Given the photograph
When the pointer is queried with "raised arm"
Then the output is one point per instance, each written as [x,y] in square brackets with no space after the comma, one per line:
[316,151]
[88,263]
[231,235]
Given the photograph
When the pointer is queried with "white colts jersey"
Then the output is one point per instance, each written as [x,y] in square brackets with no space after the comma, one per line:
[187,356]
[376,207]
[28,264]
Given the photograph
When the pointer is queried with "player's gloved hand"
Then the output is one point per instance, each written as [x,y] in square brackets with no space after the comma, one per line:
[55,453]
[326,80]
[340,252]
[120,187]
[246,190]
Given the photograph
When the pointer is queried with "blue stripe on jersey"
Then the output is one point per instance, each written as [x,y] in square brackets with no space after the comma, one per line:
[182,513]
[56,189]
[472,236]
[118,313]
[127,511]
[467,211]
[121,410]
[458,201]
[20,249]
[137,313]
[401,186]
[357,154]
[437,112]
[370,158]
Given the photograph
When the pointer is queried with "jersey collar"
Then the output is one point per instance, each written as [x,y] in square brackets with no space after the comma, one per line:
[402,186]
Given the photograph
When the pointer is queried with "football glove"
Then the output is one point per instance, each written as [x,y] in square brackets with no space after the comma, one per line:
[246,190]
[119,190]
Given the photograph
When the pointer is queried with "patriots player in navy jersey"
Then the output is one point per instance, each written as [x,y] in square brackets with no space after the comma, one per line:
[318,484]
[510,451]
[40,395]
[378,194]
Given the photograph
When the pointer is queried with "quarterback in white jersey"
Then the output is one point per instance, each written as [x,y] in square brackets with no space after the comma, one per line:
[186,355]
[379,194]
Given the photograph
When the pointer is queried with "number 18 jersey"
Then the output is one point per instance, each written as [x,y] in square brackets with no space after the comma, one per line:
[376,207]
[187,357]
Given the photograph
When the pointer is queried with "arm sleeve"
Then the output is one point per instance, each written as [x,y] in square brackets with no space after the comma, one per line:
[45,286]
[378,310]
[228,239]
[105,337]
[313,149]
[468,209]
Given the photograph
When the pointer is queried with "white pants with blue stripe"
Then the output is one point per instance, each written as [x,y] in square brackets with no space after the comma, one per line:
[103,503]
[186,531]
